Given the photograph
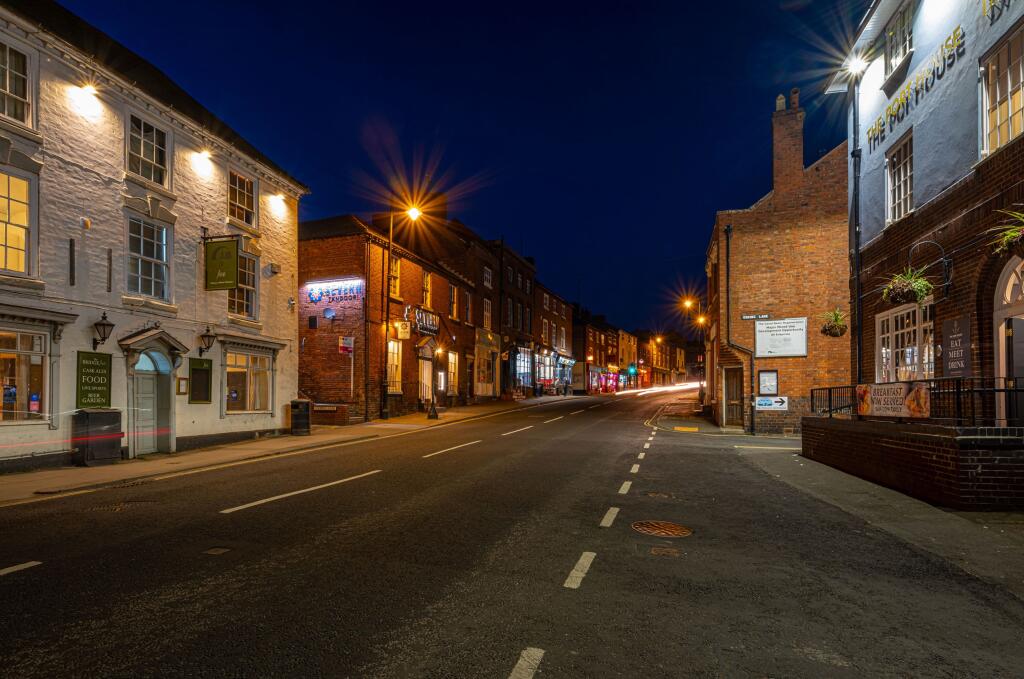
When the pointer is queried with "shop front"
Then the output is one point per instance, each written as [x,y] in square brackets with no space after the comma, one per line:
[485,366]
[563,372]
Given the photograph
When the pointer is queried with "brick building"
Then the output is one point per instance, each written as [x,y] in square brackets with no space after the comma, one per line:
[629,374]
[782,259]
[552,329]
[515,292]
[654,357]
[596,347]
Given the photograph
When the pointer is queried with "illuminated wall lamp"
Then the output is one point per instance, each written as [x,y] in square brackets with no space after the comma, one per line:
[206,340]
[103,328]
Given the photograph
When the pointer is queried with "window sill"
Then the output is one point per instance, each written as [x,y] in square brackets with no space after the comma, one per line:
[24,283]
[20,423]
[395,393]
[164,308]
[150,186]
[253,231]
[245,322]
[249,412]
[21,130]
[397,299]
[894,222]
[897,75]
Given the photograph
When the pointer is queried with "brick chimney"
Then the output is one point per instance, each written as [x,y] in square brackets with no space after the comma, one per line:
[788,142]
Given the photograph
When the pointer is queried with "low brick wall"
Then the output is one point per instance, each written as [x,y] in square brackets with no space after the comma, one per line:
[329,413]
[966,468]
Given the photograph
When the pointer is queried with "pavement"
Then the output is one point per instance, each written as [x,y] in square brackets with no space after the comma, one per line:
[508,546]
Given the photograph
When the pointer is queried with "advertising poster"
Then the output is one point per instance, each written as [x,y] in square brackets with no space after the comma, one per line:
[900,399]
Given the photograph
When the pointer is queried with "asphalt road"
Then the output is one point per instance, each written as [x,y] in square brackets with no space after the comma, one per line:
[411,557]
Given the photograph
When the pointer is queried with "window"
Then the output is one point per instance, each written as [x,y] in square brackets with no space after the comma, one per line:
[22,375]
[453,373]
[467,317]
[247,382]
[394,367]
[524,371]
[241,199]
[529,285]
[544,330]
[488,277]
[14,224]
[453,302]
[487,314]
[519,280]
[900,171]
[563,309]
[1004,101]
[561,338]
[242,300]
[13,84]
[508,312]
[529,319]
[905,344]
[147,151]
[519,316]
[899,37]
[396,270]
[547,301]
[147,259]
[508,274]
[426,288]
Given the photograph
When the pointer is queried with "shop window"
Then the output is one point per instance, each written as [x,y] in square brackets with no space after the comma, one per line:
[1004,100]
[242,299]
[394,367]
[22,375]
[905,344]
[15,213]
[247,380]
[524,371]
[899,36]
[453,373]
[900,179]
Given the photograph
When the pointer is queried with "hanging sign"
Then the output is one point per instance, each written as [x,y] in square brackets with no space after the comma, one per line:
[782,337]
[403,329]
[956,347]
[898,399]
[92,380]
[222,264]
[427,322]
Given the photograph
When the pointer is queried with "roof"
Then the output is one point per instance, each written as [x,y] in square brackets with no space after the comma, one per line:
[868,30]
[331,227]
[112,55]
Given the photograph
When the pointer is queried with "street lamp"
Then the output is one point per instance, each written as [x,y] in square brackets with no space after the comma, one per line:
[103,328]
[412,213]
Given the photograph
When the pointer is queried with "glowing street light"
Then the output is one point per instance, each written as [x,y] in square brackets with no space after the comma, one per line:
[414,213]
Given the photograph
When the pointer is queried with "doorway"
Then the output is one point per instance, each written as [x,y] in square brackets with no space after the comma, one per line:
[733,397]
[151,401]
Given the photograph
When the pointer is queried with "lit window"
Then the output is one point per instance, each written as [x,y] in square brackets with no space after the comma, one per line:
[13,84]
[508,312]
[394,367]
[904,344]
[488,278]
[453,302]
[242,300]
[487,314]
[241,198]
[22,375]
[14,224]
[524,369]
[900,179]
[247,381]
[1004,101]
[544,330]
[147,151]
[899,37]
[453,373]
[396,270]
[426,288]
[147,259]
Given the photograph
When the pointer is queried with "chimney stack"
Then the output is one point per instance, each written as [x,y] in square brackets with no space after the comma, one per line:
[787,143]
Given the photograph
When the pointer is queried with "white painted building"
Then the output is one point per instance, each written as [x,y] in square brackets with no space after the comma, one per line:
[111,177]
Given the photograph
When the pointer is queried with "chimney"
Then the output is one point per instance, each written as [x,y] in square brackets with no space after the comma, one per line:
[788,143]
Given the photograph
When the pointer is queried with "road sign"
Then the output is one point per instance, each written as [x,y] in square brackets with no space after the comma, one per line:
[346,345]
[772,403]
[755,317]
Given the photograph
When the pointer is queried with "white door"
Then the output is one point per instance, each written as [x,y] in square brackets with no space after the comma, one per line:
[145,413]
[426,382]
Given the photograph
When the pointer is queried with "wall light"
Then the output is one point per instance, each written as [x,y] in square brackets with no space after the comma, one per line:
[85,102]
[202,165]
[278,205]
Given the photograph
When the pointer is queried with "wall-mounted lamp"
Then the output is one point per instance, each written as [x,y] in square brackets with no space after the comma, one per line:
[103,329]
[206,340]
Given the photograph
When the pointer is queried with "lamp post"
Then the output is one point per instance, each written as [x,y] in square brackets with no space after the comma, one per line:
[412,213]
[855,67]
[701,320]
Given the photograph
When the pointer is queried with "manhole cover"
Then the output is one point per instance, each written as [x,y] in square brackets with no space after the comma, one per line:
[662,529]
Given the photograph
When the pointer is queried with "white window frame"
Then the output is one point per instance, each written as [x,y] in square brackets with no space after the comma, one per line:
[7,44]
[487,314]
[255,199]
[909,329]
[32,231]
[394,366]
[1008,108]
[394,275]
[453,302]
[488,278]
[254,305]
[453,373]
[428,285]
[547,302]
[544,330]
[250,381]
[902,23]
[168,149]
[561,338]
[168,254]
[44,402]
[899,179]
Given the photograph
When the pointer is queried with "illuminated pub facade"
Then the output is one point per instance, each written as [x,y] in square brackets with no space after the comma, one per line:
[936,114]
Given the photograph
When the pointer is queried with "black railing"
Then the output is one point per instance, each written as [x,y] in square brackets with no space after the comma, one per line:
[958,401]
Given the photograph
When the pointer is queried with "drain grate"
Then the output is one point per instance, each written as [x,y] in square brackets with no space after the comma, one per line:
[662,529]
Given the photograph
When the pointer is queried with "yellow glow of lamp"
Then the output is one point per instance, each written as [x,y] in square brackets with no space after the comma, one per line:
[414,213]
[701,320]
[688,303]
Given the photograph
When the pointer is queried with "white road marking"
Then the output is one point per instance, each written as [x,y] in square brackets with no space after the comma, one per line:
[579,571]
[625,487]
[635,469]
[297,492]
[650,438]
[576,412]
[516,431]
[595,406]
[646,446]
[529,661]
[653,433]
[554,419]
[452,448]
[641,456]
[767,448]
[19,567]
[609,517]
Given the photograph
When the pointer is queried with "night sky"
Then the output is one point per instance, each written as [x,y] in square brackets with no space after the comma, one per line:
[599,137]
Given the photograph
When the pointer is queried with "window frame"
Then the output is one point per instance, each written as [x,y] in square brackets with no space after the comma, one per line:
[923,329]
[32,230]
[906,200]
[168,149]
[47,385]
[452,388]
[235,170]
[467,316]
[427,288]
[394,361]
[547,302]
[168,252]
[254,305]
[488,278]
[249,380]
[394,276]
[1015,33]
[901,19]
[487,311]
[31,80]
[453,302]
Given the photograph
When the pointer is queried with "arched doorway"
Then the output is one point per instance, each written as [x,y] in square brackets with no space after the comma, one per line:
[1008,342]
[151,403]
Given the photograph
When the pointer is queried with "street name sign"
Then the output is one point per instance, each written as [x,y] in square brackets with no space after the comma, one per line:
[754,317]
[772,403]
[781,337]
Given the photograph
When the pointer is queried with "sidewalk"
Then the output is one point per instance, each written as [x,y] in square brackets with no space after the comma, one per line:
[16,488]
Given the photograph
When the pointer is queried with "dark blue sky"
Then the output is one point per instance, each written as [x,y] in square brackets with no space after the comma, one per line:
[599,137]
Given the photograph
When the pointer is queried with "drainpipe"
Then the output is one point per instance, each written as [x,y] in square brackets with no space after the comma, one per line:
[728,325]
[858,306]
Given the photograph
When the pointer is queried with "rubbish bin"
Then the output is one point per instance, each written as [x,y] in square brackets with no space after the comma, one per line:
[96,436]
[301,409]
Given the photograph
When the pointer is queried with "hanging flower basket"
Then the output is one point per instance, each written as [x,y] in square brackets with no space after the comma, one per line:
[1010,234]
[906,287]
[835,323]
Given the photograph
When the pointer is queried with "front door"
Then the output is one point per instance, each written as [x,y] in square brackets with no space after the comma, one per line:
[1014,402]
[145,408]
[471,377]
[426,381]
[734,396]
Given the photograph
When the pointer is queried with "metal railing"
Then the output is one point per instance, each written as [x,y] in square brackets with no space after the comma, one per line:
[957,401]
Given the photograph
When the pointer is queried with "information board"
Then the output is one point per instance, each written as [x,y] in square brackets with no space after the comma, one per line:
[92,380]
[780,337]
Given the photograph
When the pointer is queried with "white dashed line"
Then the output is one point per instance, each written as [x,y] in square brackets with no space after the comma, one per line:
[529,661]
[595,406]
[641,456]
[576,412]
[19,567]
[635,469]
[609,517]
[516,431]
[625,487]
[654,433]
[452,448]
[650,438]
[554,419]
[579,571]
[297,492]
[646,446]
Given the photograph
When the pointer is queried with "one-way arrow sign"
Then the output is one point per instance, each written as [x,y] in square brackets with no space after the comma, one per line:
[772,403]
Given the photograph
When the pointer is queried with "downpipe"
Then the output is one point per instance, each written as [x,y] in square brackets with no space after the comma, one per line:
[728,326]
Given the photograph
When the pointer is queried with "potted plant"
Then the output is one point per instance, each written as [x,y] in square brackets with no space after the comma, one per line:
[835,323]
[907,286]
[1010,234]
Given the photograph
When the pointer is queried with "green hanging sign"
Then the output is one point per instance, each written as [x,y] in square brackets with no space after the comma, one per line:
[92,380]
[222,264]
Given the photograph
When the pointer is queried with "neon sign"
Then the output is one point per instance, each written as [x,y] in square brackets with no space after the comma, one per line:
[335,291]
